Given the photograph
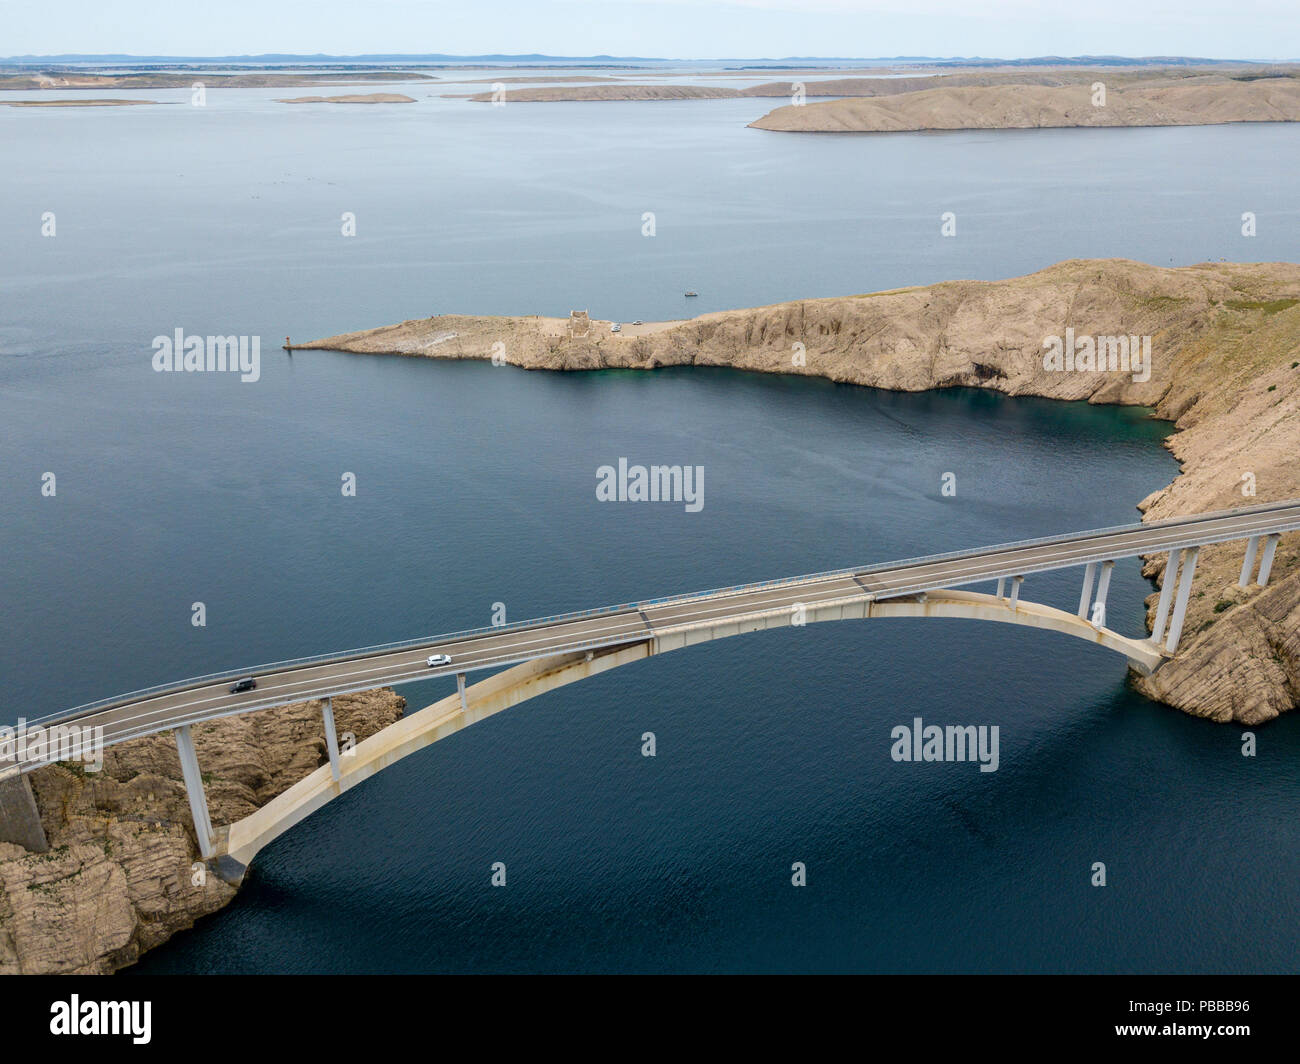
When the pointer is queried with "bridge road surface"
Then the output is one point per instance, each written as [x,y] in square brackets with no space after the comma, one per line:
[193,701]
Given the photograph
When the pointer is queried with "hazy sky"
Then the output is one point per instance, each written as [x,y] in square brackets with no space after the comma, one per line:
[1247,29]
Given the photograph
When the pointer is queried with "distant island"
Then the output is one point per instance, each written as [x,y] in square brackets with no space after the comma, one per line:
[1208,99]
[910,97]
[75,103]
[374,97]
[183,80]
[1013,98]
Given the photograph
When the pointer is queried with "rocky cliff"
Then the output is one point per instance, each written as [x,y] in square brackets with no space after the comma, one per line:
[123,872]
[1224,366]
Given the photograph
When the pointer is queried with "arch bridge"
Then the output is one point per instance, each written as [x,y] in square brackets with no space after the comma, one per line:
[540,655]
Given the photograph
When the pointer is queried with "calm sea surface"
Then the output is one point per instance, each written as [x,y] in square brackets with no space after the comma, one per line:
[476,485]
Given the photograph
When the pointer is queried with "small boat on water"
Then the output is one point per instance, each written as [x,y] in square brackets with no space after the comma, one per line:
[690,294]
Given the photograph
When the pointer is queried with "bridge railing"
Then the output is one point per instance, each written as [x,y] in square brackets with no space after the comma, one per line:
[311,659]
[410,644]
[629,607]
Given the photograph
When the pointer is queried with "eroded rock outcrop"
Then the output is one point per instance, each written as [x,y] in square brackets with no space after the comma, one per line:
[123,873]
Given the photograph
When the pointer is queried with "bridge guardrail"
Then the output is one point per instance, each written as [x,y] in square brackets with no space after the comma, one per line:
[347,655]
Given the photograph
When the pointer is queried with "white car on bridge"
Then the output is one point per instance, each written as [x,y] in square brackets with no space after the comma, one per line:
[435,660]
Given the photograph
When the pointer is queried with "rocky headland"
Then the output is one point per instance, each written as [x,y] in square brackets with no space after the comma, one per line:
[1225,368]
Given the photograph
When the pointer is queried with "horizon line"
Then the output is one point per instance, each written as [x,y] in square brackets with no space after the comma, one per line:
[540,56]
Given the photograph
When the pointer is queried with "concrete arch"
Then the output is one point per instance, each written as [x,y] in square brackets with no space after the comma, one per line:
[237,844]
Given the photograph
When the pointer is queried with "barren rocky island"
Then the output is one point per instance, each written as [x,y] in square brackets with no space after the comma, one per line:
[1209,100]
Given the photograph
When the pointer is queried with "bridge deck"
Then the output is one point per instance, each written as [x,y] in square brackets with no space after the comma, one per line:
[189,702]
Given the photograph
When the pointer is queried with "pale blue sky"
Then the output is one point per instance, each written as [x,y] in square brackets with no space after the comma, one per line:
[1262,29]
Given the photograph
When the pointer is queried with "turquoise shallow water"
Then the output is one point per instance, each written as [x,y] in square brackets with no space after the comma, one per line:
[476,486]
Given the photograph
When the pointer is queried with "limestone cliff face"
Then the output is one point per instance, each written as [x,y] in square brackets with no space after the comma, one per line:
[122,874]
[1225,352]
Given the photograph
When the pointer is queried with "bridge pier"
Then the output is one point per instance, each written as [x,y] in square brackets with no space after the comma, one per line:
[1166,596]
[331,736]
[1016,581]
[1266,563]
[194,790]
[1002,587]
[460,689]
[1184,594]
[1248,562]
[1098,616]
[1085,596]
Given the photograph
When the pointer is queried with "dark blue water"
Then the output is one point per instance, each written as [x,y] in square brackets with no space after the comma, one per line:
[476,485]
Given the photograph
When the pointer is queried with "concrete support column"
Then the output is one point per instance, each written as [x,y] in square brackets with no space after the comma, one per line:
[331,737]
[1184,594]
[460,688]
[1266,563]
[1166,596]
[1248,563]
[194,789]
[1002,587]
[20,820]
[1016,581]
[1103,586]
[1086,595]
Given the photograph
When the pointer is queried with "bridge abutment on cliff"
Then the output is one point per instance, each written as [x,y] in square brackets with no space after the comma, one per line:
[20,820]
